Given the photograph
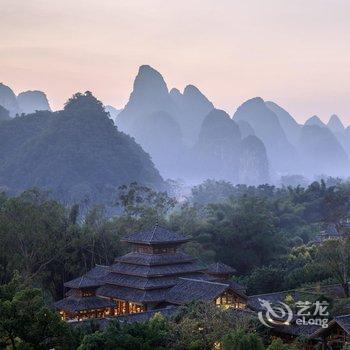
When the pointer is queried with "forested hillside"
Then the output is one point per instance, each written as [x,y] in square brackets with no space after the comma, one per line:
[76,153]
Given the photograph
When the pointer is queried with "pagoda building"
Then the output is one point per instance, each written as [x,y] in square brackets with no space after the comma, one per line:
[140,280]
[81,301]
[154,275]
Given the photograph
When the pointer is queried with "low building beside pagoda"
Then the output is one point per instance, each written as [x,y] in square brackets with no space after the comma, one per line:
[156,274]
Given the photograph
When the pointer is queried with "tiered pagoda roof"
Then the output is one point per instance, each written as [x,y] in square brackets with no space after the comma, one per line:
[143,277]
[75,301]
[93,278]
[156,235]
[188,289]
[154,274]
[220,269]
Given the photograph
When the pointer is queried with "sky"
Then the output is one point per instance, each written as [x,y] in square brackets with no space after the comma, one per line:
[294,52]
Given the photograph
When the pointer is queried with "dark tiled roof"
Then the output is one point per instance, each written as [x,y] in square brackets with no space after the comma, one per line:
[156,235]
[149,271]
[236,286]
[344,322]
[296,330]
[132,294]
[155,259]
[93,278]
[143,282]
[72,304]
[220,268]
[190,289]
[273,298]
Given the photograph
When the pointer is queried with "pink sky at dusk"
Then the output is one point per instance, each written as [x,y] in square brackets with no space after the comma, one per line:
[294,52]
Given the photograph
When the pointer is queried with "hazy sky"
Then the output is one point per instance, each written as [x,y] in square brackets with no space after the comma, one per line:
[295,52]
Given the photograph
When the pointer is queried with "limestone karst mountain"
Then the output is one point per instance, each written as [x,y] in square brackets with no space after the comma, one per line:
[160,135]
[335,124]
[77,153]
[192,107]
[150,94]
[344,139]
[253,162]
[281,154]
[113,112]
[290,127]
[32,101]
[245,128]
[220,153]
[216,152]
[315,121]
[8,100]
[183,114]
[321,152]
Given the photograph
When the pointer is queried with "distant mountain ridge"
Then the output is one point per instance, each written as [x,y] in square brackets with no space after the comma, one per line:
[185,137]
[26,102]
[195,142]
[77,153]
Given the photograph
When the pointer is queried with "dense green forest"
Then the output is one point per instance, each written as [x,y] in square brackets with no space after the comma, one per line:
[265,233]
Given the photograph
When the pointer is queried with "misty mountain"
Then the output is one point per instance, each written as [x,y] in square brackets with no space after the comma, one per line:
[335,125]
[321,152]
[4,114]
[281,153]
[8,100]
[150,94]
[245,128]
[315,121]
[113,112]
[160,136]
[220,153]
[192,107]
[253,162]
[216,152]
[290,127]
[32,101]
[77,153]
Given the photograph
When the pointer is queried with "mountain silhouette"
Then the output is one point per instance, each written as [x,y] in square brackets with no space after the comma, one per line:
[335,125]
[113,112]
[32,101]
[150,94]
[192,107]
[253,162]
[245,128]
[290,127]
[281,153]
[160,135]
[321,152]
[315,121]
[77,153]
[216,152]
[8,100]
